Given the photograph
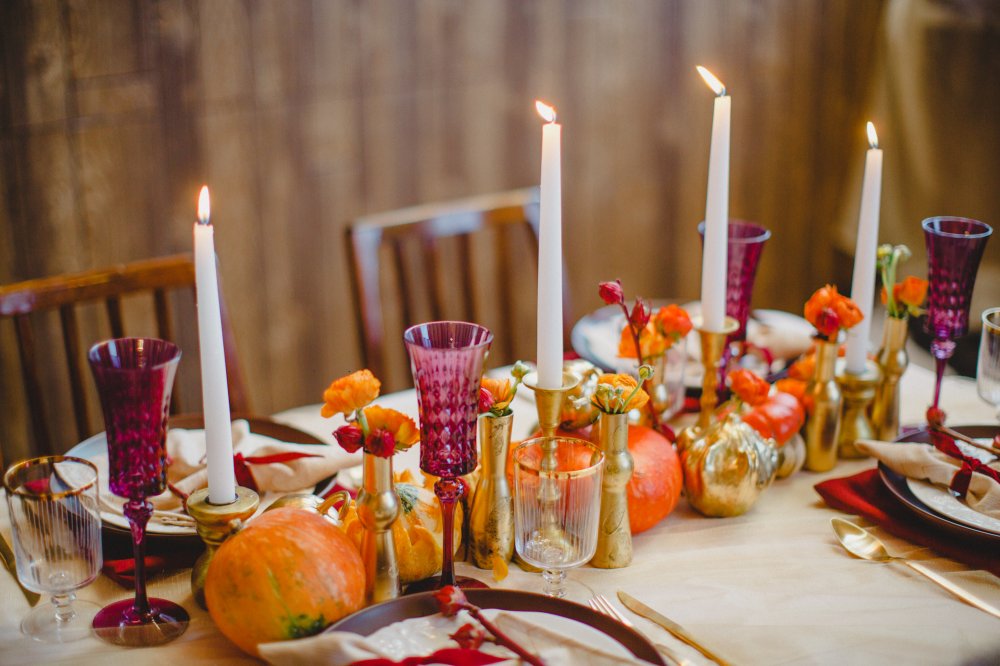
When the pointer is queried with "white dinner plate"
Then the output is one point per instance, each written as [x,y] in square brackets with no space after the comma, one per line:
[943,502]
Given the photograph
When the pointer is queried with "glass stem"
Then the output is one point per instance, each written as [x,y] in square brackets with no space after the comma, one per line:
[448,491]
[138,512]
[941,349]
[64,607]
[555,583]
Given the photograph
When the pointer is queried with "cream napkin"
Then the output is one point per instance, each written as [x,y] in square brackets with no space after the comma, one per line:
[187,472]
[337,648]
[926,463]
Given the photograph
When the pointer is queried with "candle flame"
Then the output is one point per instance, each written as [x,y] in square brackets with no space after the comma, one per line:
[204,206]
[872,136]
[547,112]
[713,83]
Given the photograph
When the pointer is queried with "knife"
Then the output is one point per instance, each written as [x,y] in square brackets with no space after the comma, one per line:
[8,561]
[677,630]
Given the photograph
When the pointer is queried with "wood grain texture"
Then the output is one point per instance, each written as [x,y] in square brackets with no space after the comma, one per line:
[302,115]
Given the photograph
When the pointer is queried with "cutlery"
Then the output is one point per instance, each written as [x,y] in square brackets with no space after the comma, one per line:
[677,630]
[8,561]
[601,604]
[862,543]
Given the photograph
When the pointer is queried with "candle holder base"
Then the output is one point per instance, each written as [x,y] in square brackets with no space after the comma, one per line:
[216,522]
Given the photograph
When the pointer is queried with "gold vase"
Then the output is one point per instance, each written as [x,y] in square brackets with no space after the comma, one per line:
[378,507]
[858,391]
[614,537]
[823,417]
[892,359]
[491,526]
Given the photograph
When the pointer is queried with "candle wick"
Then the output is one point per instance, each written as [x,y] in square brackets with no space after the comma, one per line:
[204,221]
[722,93]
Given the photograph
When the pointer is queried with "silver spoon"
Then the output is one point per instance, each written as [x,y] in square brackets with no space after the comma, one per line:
[864,544]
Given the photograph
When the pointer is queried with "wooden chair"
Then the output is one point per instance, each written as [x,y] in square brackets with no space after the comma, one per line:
[156,279]
[456,260]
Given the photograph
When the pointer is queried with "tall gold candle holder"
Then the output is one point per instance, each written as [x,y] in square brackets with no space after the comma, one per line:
[713,343]
[857,392]
[549,401]
[215,523]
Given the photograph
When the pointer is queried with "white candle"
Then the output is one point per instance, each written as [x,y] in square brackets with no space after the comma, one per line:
[713,261]
[863,283]
[550,306]
[214,388]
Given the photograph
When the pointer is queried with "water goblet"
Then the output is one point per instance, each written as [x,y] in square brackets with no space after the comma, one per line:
[56,523]
[446,358]
[954,248]
[557,506]
[988,369]
[135,377]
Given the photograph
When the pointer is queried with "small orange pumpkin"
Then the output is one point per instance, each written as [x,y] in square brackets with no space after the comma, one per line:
[290,573]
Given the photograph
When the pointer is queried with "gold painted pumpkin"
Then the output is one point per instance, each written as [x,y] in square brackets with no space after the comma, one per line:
[417,533]
[290,573]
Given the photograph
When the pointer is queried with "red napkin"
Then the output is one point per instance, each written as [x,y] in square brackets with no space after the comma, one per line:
[865,495]
[449,656]
[123,571]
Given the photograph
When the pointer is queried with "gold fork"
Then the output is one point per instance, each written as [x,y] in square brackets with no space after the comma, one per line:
[601,604]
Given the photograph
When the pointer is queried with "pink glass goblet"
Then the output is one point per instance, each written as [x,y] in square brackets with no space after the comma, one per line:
[446,358]
[745,245]
[954,248]
[135,377]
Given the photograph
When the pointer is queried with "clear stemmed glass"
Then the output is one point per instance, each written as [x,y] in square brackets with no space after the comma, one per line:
[135,377]
[954,247]
[988,369]
[56,524]
[446,358]
[557,508]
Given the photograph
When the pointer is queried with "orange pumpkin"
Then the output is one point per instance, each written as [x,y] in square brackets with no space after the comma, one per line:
[779,417]
[290,573]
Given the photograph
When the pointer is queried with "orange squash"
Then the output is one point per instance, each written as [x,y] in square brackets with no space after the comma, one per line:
[290,573]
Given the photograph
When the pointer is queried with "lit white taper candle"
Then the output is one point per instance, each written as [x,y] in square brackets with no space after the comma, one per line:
[713,261]
[214,387]
[863,284]
[550,306]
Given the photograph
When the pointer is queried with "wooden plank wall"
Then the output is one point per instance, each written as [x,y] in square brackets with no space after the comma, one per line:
[304,114]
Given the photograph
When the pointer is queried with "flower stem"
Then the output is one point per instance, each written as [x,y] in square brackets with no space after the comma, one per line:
[503,639]
[647,384]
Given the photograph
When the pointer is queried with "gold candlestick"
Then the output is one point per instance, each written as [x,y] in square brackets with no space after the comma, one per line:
[548,401]
[215,523]
[858,392]
[712,345]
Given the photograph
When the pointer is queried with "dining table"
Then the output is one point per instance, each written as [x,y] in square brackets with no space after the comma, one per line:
[771,586]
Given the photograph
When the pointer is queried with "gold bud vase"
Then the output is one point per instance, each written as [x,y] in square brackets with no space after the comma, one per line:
[378,507]
[491,525]
[614,536]
[858,392]
[892,359]
[823,416]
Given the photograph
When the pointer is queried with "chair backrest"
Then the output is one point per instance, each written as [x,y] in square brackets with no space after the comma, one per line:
[67,294]
[472,259]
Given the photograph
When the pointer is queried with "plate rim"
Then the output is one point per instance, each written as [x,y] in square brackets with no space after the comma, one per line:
[897,485]
[500,599]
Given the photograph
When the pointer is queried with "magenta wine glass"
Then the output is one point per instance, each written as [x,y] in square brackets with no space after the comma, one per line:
[744,247]
[134,378]
[446,358]
[954,247]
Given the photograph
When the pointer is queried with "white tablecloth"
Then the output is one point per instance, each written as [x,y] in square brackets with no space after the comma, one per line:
[770,587]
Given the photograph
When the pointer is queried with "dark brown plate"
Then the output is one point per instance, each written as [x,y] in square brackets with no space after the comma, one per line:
[897,485]
[369,620]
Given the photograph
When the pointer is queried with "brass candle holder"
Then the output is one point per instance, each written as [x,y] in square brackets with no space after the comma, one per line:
[215,523]
[549,401]
[713,344]
[858,392]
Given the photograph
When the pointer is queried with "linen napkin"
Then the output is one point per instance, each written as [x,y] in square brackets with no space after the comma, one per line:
[926,463]
[865,495]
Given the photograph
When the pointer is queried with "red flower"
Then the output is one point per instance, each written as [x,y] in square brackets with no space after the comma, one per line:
[450,600]
[935,416]
[349,437]
[611,292]
[381,443]
[469,636]
[750,388]
[485,400]
[828,323]
[830,311]
[640,314]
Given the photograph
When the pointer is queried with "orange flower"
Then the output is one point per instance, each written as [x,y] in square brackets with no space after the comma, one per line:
[501,391]
[912,291]
[621,387]
[667,326]
[399,425]
[748,386]
[804,368]
[830,311]
[350,393]
[672,321]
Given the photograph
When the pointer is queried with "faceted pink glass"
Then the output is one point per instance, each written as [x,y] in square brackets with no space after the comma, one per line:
[954,248]
[135,377]
[746,243]
[446,358]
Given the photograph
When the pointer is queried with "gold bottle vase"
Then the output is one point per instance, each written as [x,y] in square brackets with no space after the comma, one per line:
[614,536]
[823,417]
[858,392]
[491,528]
[378,507]
[892,359]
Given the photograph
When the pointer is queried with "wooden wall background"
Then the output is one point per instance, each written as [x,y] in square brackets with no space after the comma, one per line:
[303,114]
